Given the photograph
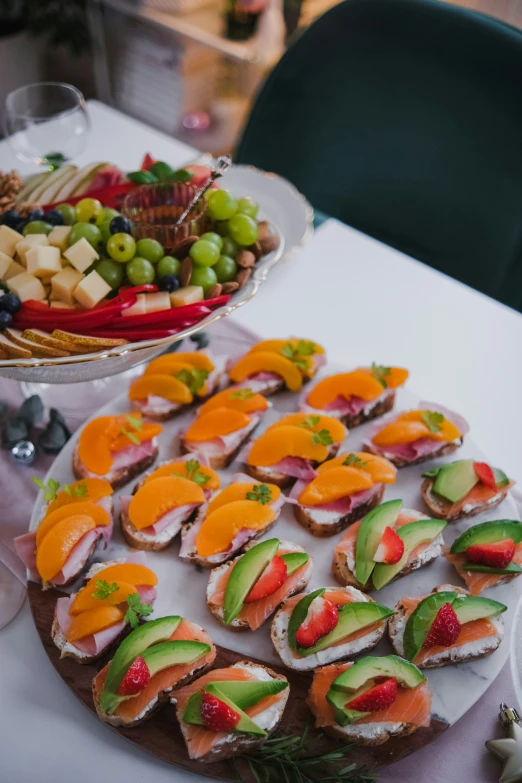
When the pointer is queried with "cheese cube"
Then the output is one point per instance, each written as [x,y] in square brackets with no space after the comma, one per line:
[58,237]
[157,301]
[187,295]
[61,306]
[64,283]
[43,261]
[91,290]
[26,286]
[8,240]
[5,263]
[28,242]
[14,269]
[81,255]
[138,308]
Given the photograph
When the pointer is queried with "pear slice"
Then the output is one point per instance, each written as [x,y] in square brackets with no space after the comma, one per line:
[31,184]
[15,335]
[86,341]
[43,338]
[52,184]
[73,186]
[13,350]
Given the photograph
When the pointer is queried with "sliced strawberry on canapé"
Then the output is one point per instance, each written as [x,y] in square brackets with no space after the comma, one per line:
[496,555]
[271,579]
[136,678]
[216,715]
[445,628]
[321,618]
[485,474]
[390,549]
[379,697]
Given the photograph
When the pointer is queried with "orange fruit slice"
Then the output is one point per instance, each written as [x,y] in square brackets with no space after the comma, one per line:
[57,545]
[265,361]
[180,469]
[122,573]
[380,469]
[238,491]
[334,426]
[357,383]
[92,489]
[167,364]
[120,440]
[100,517]
[335,484]
[92,621]
[165,386]
[156,498]
[410,426]
[85,600]
[235,399]
[221,421]
[93,445]
[282,442]
[275,346]
[220,528]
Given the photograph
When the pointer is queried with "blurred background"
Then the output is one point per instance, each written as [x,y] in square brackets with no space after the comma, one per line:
[190,68]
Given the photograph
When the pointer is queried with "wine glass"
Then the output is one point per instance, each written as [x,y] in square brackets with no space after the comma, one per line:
[46,123]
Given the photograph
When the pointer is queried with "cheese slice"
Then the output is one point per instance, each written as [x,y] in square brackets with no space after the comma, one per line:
[58,237]
[9,238]
[187,295]
[157,301]
[138,308]
[26,286]
[58,305]
[64,283]
[43,262]
[28,242]
[81,255]
[91,290]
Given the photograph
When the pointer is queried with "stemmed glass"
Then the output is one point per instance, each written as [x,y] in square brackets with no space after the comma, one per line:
[46,123]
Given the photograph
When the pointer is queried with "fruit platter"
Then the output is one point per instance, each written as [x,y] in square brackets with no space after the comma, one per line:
[94,266]
[352,561]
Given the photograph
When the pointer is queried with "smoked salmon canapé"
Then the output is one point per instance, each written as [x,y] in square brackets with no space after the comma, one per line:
[415,436]
[230,711]
[154,660]
[275,365]
[357,396]
[326,625]
[240,512]
[116,448]
[488,554]
[170,384]
[115,595]
[344,490]
[447,626]
[370,701]
[243,593]
[385,545]
[75,521]
[464,488]
[292,448]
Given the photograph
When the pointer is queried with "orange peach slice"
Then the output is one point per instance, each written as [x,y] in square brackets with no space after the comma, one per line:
[93,489]
[122,440]
[276,346]
[357,383]
[57,545]
[165,386]
[122,573]
[92,621]
[380,469]
[410,426]
[238,491]
[335,484]
[264,361]
[156,498]
[98,514]
[85,600]
[93,445]
[221,527]
[335,428]
[282,442]
[221,421]
[180,469]
[168,364]
[236,399]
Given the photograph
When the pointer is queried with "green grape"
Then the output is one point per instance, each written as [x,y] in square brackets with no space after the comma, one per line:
[211,236]
[37,227]
[203,276]
[85,231]
[140,271]
[121,247]
[105,231]
[243,230]
[109,214]
[204,253]
[112,272]
[149,249]
[225,269]
[229,248]
[168,265]
[247,206]
[89,210]
[221,205]
[68,212]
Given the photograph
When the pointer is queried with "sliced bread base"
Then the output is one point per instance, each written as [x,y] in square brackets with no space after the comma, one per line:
[165,413]
[370,733]
[324,524]
[369,413]
[67,650]
[221,461]
[443,509]
[119,477]
[445,448]
[140,540]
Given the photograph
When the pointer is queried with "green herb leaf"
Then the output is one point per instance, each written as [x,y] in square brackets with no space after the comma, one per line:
[50,489]
[323,438]
[288,351]
[433,420]
[200,478]
[81,490]
[305,348]
[380,373]
[162,170]
[67,490]
[295,355]
[136,610]
[131,436]
[242,394]
[310,422]
[194,379]
[353,459]
[141,177]
[260,492]
[134,421]
[194,473]
[104,589]
[302,364]
[181,175]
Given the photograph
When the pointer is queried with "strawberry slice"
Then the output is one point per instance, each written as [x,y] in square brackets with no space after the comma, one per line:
[390,549]
[217,715]
[270,580]
[485,474]
[136,678]
[496,555]
[321,618]
[380,697]
[445,628]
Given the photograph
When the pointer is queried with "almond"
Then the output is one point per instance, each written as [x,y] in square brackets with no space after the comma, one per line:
[263,229]
[242,276]
[182,248]
[185,272]
[245,259]
[214,291]
[257,250]
[269,243]
[228,288]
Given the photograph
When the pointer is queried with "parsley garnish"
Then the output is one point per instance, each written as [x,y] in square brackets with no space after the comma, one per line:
[323,438]
[310,422]
[79,491]
[135,422]
[136,610]
[433,420]
[194,474]
[104,589]
[289,352]
[380,373]
[305,348]
[50,489]
[260,492]
[353,459]
[131,436]
[242,394]
[194,379]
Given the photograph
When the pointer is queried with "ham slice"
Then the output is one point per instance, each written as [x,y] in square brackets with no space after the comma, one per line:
[173,518]
[297,467]
[343,406]
[205,450]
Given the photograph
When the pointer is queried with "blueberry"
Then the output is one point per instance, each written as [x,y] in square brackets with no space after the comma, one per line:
[54,217]
[10,303]
[36,214]
[11,217]
[169,283]
[120,225]
[6,319]
[20,225]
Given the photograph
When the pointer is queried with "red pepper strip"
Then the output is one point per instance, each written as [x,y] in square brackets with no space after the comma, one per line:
[133,335]
[168,318]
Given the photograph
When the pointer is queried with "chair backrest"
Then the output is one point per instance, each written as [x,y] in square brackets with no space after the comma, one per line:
[403,118]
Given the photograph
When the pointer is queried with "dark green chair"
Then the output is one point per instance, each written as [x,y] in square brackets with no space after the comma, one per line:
[403,118]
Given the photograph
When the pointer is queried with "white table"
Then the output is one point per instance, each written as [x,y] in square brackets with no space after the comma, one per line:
[364,302]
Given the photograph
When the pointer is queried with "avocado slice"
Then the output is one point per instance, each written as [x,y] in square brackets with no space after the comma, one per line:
[134,645]
[343,716]
[246,694]
[414,533]
[369,536]
[352,617]
[161,656]
[488,533]
[421,619]
[511,568]
[372,666]
[298,616]
[475,607]
[245,574]
[294,560]
[192,712]
[501,480]
[454,481]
